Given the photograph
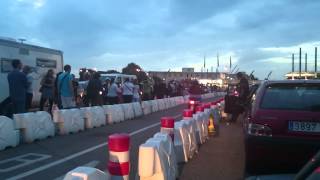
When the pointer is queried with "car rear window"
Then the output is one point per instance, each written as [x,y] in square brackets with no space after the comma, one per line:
[302,97]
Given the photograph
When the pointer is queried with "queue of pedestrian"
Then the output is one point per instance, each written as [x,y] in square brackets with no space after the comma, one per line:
[56,90]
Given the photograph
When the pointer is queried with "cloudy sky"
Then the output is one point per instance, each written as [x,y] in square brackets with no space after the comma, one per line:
[260,35]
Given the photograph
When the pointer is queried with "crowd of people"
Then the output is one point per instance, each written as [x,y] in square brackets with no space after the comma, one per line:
[61,90]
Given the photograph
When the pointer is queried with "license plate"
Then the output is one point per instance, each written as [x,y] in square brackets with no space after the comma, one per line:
[304,126]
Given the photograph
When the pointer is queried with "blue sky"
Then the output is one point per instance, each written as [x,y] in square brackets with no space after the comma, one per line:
[169,34]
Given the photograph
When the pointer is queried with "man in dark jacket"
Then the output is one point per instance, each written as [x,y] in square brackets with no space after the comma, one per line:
[18,85]
[94,90]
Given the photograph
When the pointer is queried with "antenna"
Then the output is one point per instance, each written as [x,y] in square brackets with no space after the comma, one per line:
[22,40]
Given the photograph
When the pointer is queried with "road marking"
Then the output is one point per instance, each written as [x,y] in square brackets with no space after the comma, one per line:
[21,161]
[60,161]
[89,164]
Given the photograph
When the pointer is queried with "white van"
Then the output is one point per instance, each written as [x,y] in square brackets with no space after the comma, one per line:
[40,60]
[117,77]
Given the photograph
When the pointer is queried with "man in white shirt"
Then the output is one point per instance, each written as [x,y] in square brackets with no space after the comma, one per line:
[113,92]
[128,89]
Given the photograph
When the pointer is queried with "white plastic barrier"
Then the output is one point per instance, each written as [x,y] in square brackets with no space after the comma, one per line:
[146,107]
[93,116]
[69,120]
[186,99]
[192,126]
[9,137]
[161,104]
[87,173]
[137,109]
[155,162]
[128,111]
[154,105]
[38,125]
[182,141]
[172,102]
[114,113]
[200,127]
[167,103]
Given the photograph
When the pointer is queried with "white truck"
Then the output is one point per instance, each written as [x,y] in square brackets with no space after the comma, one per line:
[40,59]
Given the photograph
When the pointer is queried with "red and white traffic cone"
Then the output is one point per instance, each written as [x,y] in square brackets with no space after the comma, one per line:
[167,126]
[119,159]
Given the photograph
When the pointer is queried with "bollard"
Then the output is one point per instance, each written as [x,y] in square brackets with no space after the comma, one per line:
[167,126]
[119,165]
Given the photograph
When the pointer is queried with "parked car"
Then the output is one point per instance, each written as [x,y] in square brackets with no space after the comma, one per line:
[282,127]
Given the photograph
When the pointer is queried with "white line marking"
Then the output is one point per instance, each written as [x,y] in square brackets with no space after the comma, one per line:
[89,164]
[23,161]
[67,158]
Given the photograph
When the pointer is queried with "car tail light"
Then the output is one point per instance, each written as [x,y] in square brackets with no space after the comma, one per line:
[259,130]
[192,102]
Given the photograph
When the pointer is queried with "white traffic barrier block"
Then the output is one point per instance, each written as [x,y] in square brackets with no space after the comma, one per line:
[167,103]
[167,126]
[181,100]
[161,104]
[119,158]
[192,126]
[9,137]
[172,159]
[128,111]
[154,105]
[38,125]
[181,141]
[172,102]
[69,120]
[199,118]
[137,109]
[186,98]
[146,107]
[93,116]
[87,173]
[114,113]
[150,165]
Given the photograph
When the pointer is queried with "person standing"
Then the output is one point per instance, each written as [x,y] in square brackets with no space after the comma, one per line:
[113,93]
[94,90]
[18,85]
[65,88]
[136,92]
[47,90]
[128,88]
[29,95]
[243,89]
[106,87]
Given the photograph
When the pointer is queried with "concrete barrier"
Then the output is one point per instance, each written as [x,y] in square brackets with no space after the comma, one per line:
[137,109]
[161,104]
[199,118]
[93,116]
[181,141]
[87,173]
[191,126]
[146,107]
[33,126]
[154,105]
[167,103]
[9,137]
[119,161]
[68,120]
[172,102]
[155,162]
[128,111]
[114,113]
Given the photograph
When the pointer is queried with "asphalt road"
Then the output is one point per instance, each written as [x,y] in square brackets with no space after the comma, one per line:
[221,157]
[54,157]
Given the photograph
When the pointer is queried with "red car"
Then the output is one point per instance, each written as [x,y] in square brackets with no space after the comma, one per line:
[282,126]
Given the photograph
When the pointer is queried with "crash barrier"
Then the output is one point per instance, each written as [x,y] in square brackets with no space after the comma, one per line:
[93,116]
[146,107]
[157,159]
[128,111]
[68,121]
[113,113]
[9,136]
[34,125]
[87,173]
[154,105]
[161,104]
[158,156]
[137,108]
[119,160]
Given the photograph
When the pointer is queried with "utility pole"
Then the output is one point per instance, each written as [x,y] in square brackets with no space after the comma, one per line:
[315,60]
[306,62]
[299,63]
